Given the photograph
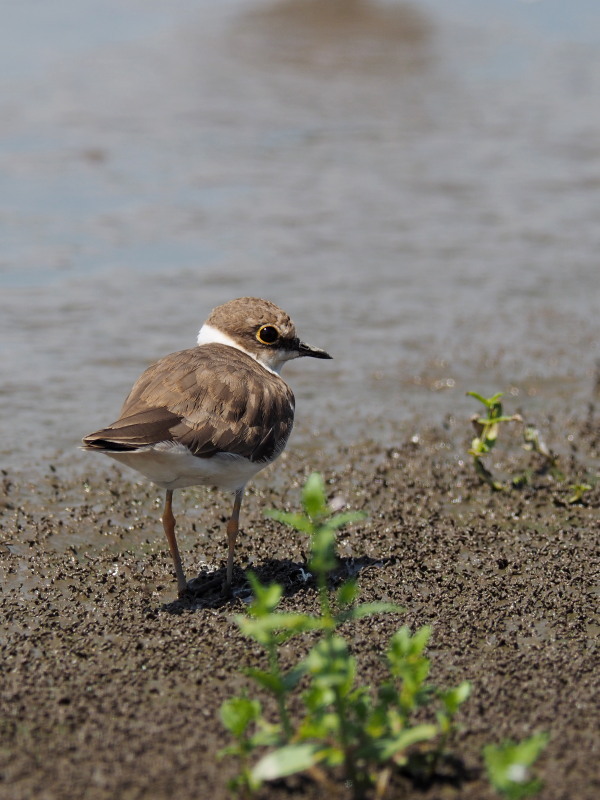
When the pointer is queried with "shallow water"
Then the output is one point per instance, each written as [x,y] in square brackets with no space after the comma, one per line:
[418,185]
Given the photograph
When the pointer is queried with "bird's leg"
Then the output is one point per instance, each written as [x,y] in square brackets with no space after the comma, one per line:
[233,527]
[168,521]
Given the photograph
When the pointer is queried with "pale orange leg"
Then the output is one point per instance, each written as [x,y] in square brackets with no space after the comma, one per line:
[233,527]
[168,521]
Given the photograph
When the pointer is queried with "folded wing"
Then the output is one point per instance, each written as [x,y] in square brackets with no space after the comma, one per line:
[212,399]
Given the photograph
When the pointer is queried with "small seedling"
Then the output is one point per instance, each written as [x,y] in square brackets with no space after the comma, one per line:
[361,731]
[487,429]
[578,489]
[509,766]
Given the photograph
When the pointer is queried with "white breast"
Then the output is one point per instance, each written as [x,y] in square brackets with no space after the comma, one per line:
[171,465]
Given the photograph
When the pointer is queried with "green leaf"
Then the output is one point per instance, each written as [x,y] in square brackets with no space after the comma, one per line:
[339,520]
[390,746]
[508,765]
[268,734]
[286,760]
[313,496]
[453,698]
[238,712]
[529,750]
[295,520]
[264,629]
[487,401]
[332,756]
[579,489]
[403,645]
[267,680]
[316,699]
[478,396]
[367,610]
[330,664]
[348,592]
[420,640]
[266,596]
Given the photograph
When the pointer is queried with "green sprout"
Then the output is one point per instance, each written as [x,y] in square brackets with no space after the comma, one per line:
[487,429]
[578,489]
[509,766]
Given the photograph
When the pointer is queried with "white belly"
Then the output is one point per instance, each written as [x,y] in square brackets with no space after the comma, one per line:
[172,466]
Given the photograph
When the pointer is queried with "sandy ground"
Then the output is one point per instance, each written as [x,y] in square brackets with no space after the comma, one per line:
[111,687]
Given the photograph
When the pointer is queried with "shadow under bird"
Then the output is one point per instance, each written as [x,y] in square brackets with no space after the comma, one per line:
[213,415]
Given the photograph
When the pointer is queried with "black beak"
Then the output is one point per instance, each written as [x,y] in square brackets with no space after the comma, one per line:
[314,352]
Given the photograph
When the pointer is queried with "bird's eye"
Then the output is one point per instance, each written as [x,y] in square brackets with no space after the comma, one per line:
[267,334]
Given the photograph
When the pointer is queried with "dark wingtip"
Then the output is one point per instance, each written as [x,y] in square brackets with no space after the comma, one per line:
[94,442]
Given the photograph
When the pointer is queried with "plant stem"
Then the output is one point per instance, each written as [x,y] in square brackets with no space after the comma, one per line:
[280,694]
[485,474]
[437,754]
[357,786]
[324,597]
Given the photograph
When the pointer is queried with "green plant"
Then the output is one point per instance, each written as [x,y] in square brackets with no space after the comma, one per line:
[237,715]
[361,731]
[487,429]
[578,489]
[509,766]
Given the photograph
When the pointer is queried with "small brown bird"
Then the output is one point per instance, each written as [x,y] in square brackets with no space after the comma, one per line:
[213,415]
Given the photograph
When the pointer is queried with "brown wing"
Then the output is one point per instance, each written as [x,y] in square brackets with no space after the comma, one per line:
[212,399]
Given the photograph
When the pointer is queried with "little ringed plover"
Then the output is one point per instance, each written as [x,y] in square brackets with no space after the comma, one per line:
[213,415]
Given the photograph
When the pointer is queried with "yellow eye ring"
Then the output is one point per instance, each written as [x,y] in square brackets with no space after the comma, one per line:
[267,334]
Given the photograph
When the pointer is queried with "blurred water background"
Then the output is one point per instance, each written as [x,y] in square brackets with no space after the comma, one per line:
[417,184]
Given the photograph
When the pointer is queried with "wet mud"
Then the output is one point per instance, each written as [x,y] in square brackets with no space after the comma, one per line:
[111,686]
